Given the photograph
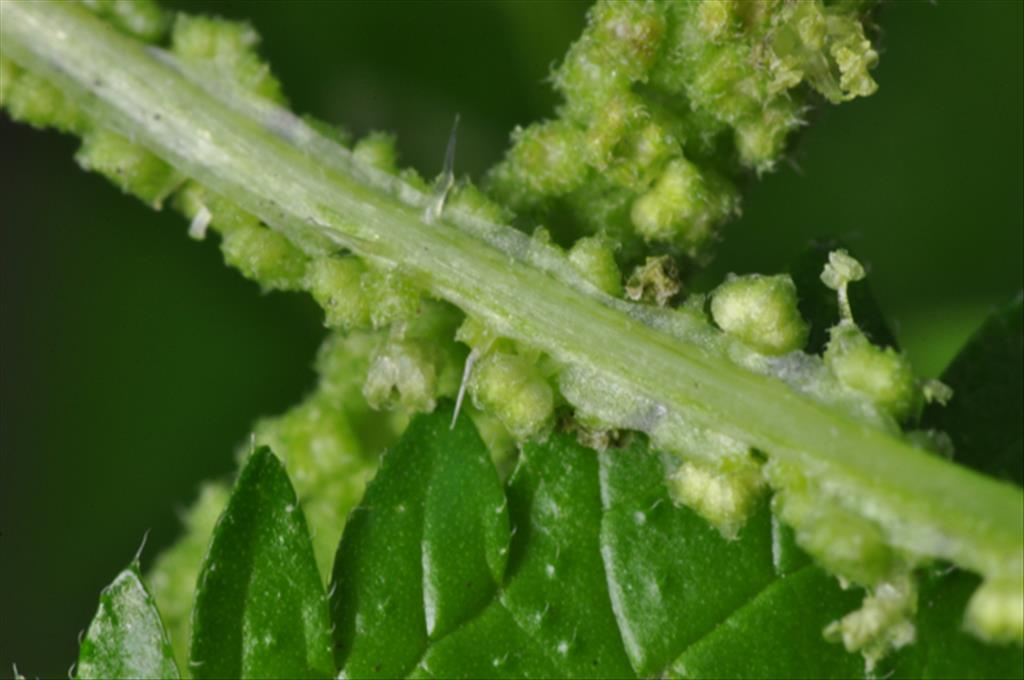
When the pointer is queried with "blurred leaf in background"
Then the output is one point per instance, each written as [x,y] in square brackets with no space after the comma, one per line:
[134,361]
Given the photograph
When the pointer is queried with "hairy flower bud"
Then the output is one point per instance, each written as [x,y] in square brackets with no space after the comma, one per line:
[761,311]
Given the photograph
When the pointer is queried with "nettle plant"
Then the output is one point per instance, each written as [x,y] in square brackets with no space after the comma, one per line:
[588,472]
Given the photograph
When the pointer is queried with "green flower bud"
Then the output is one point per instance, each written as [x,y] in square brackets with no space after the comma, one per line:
[604,205]
[659,213]
[594,259]
[761,138]
[225,215]
[545,160]
[629,34]
[467,197]
[714,18]
[683,207]
[643,152]
[229,47]
[996,611]
[666,132]
[608,128]
[512,388]
[761,311]
[844,543]
[131,167]
[882,374]
[266,257]
[726,85]
[618,48]
[724,498]
[336,285]
[332,131]
[378,149]
[32,99]
[144,19]
[413,178]
[390,297]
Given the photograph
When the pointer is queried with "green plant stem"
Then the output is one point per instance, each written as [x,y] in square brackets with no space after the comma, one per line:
[268,162]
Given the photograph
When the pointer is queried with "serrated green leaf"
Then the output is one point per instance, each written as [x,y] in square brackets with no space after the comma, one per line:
[423,552]
[664,562]
[556,588]
[126,639]
[606,577]
[700,606]
[260,609]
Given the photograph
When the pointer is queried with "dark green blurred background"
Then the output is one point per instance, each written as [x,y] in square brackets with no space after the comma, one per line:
[133,360]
